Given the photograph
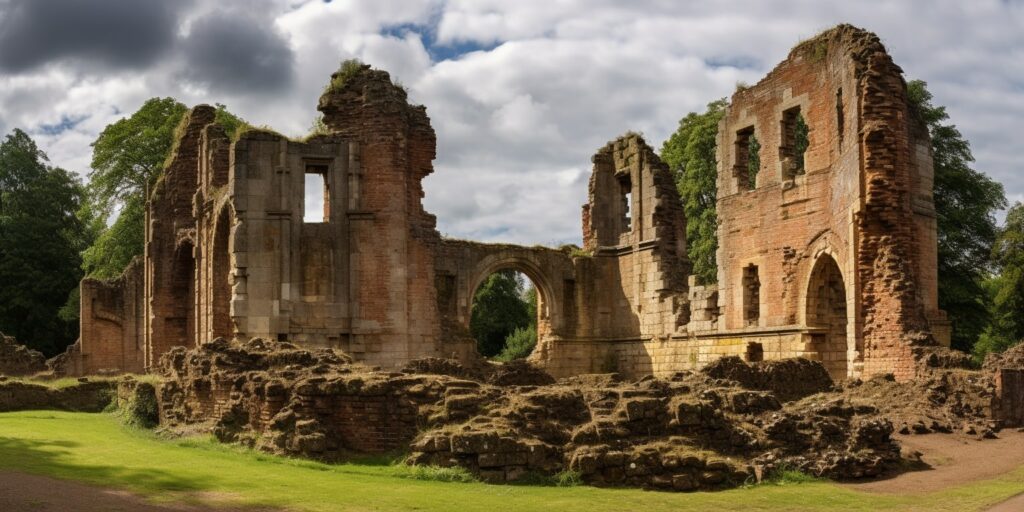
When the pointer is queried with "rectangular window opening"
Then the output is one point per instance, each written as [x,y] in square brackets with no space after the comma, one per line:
[626,185]
[317,195]
[748,160]
[794,143]
[755,352]
[751,295]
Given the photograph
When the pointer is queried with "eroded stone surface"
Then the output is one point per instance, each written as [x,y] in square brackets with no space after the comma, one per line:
[17,359]
[829,255]
[691,431]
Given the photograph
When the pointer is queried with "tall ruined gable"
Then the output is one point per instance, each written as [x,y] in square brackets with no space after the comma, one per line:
[851,211]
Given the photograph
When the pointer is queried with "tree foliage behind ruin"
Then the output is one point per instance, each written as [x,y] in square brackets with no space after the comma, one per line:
[965,205]
[40,240]
[128,157]
[1006,325]
[502,307]
[690,153]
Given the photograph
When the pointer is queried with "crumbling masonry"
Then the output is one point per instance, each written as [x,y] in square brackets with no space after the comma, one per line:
[829,254]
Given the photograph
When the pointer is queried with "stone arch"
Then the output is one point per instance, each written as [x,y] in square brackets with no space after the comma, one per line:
[826,314]
[545,292]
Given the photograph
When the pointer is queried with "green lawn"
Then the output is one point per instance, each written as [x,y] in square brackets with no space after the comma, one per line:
[95,448]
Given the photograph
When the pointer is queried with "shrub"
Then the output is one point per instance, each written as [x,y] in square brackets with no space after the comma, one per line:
[140,409]
[519,344]
[568,478]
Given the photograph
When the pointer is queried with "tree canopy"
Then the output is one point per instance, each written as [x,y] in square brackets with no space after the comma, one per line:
[41,238]
[966,202]
[690,153]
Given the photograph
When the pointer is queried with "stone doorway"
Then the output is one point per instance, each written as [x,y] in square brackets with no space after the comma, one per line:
[826,314]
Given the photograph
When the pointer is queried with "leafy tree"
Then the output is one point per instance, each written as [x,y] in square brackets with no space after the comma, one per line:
[1007,289]
[129,154]
[115,247]
[965,205]
[500,306]
[690,152]
[128,157]
[40,240]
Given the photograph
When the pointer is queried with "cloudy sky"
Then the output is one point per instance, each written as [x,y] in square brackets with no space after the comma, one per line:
[521,92]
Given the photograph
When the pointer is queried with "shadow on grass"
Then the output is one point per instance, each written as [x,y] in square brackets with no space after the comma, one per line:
[49,459]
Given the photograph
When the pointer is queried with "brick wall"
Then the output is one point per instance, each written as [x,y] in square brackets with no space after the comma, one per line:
[829,255]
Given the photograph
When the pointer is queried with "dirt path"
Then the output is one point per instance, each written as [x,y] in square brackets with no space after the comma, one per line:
[953,460]
[22,492]
[1014,504]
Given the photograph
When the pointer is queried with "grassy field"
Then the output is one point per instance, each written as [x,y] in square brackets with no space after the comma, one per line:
[97,449]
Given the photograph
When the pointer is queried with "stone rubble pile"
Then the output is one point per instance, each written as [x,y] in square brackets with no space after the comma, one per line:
[696,430]
[18,360]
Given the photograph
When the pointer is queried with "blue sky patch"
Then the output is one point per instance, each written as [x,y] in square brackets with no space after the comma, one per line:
[66,123]
[738,62]
[438,51]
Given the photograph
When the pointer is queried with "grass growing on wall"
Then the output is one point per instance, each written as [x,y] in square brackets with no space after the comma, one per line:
[96,449]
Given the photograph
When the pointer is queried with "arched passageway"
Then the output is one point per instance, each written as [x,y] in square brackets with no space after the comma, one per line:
[504,315]
[826,313]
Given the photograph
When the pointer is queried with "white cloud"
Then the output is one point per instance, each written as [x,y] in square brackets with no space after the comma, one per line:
[551,82]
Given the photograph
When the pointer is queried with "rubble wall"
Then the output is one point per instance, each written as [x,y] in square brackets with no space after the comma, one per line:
[17,359]
[860,199]
[111,326]
[170,250]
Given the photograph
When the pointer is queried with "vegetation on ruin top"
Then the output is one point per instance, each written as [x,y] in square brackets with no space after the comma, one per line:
[348,69]
[96,449]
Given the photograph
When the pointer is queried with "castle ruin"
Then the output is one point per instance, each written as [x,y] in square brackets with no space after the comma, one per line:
[829,254]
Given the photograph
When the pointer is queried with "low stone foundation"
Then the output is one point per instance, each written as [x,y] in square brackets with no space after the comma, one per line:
[88,396]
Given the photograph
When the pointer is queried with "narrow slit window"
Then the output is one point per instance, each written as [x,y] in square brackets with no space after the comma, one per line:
[840,118]
[317,195]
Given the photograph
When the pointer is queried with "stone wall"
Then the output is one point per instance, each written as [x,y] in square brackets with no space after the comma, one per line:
[1008,404]
[86,396]
[859,200]
[828,254]
[112,326]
